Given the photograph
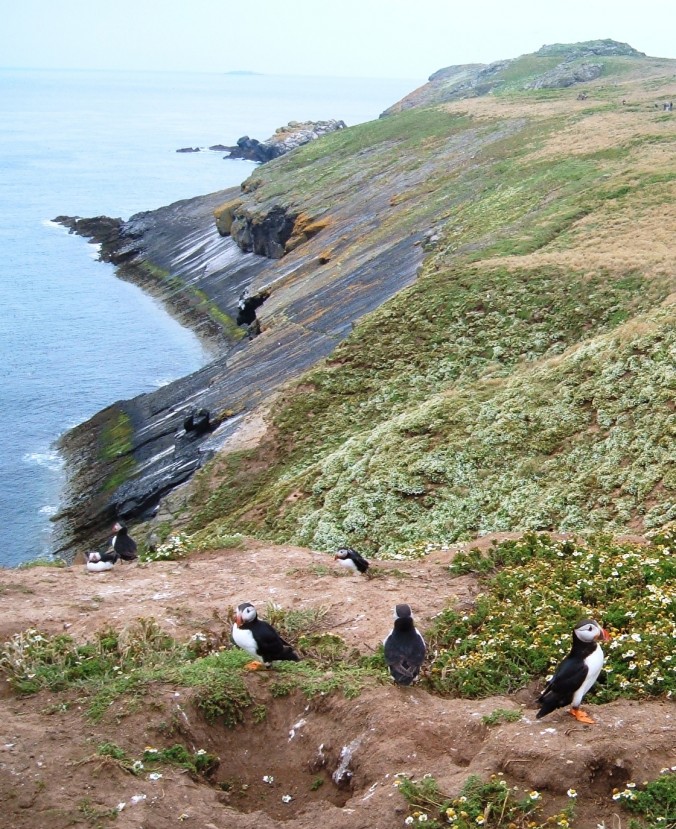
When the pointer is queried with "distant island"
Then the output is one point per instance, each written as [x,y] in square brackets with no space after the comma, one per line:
[242,72]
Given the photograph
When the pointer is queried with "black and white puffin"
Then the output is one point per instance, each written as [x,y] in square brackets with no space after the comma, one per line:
[352,560]
[100,562]
[405,647]
[123,544]
[576,673]
[259,638]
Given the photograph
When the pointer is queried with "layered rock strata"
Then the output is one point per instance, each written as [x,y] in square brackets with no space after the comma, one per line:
[121,462]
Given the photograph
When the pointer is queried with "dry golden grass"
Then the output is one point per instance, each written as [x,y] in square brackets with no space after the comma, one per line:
[604,130]
[635,232]
[489,108]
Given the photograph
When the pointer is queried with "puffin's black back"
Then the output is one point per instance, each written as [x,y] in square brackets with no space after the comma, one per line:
[269,644]
[567,678]
[404,649]
[124,545]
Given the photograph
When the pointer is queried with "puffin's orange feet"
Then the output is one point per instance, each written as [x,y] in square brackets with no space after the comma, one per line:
[580,716]
[254,666]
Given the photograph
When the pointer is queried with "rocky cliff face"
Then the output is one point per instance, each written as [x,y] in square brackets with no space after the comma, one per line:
[121,462]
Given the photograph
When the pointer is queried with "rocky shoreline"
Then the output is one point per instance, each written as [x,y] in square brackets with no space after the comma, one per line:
[124,460]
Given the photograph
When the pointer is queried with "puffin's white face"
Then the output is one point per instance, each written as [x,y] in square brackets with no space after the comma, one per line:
[245,613]
[589,631]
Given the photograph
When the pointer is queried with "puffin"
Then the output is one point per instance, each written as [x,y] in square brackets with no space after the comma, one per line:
[352,560]
[576,673]
[100,562]
[259,639]
[123,544]
[405,647]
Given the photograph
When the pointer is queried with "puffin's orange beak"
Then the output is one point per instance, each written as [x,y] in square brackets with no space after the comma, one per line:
[238,619]
[605,635]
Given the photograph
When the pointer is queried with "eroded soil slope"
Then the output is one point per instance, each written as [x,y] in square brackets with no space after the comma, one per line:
[335,757]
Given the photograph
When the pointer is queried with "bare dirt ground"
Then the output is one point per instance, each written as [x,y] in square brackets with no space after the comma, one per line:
[336,758]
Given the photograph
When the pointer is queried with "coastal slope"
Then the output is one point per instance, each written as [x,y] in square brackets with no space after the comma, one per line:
[483,288]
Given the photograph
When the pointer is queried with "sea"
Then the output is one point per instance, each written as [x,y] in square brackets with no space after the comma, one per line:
[73,337]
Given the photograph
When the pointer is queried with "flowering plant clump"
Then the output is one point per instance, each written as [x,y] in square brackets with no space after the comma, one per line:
[175,547]
[32,660]
[488,804]
[536,589]
[654,801]
[196,762]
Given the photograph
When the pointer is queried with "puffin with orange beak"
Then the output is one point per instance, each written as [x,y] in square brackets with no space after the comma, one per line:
[259,639]
[577,672]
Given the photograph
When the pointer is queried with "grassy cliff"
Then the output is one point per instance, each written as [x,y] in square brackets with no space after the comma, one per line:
[527,379]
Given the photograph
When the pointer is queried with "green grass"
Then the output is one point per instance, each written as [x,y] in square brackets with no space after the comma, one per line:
[116,437]
[198,763]
[501,715]
[493,804]
[653,802]
[577,442]
[57,563]
[115,449]
[112,673]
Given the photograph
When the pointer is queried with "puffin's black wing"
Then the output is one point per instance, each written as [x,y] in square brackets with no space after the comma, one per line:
[125,546]
[404,654]
[270,644]
[359,561]
[109,556]
[559,691]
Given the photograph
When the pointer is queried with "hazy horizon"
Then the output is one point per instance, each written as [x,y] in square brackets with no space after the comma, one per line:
[373,39]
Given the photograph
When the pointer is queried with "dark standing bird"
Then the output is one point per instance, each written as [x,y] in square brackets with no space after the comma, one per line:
[259,638]
[405,648]
[577,672]
[123,544]
[352,560]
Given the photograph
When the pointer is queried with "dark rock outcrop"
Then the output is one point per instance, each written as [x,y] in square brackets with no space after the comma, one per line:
[198,422]
[271,232]
[265,234]
[285,139]
[566,74]
[101,229]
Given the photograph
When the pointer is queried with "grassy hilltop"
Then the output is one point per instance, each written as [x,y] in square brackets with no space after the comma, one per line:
[526,380]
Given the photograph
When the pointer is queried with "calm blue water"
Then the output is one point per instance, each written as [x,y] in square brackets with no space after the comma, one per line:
[73,338]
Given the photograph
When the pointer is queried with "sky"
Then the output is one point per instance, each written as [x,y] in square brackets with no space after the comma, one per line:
[352,38]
